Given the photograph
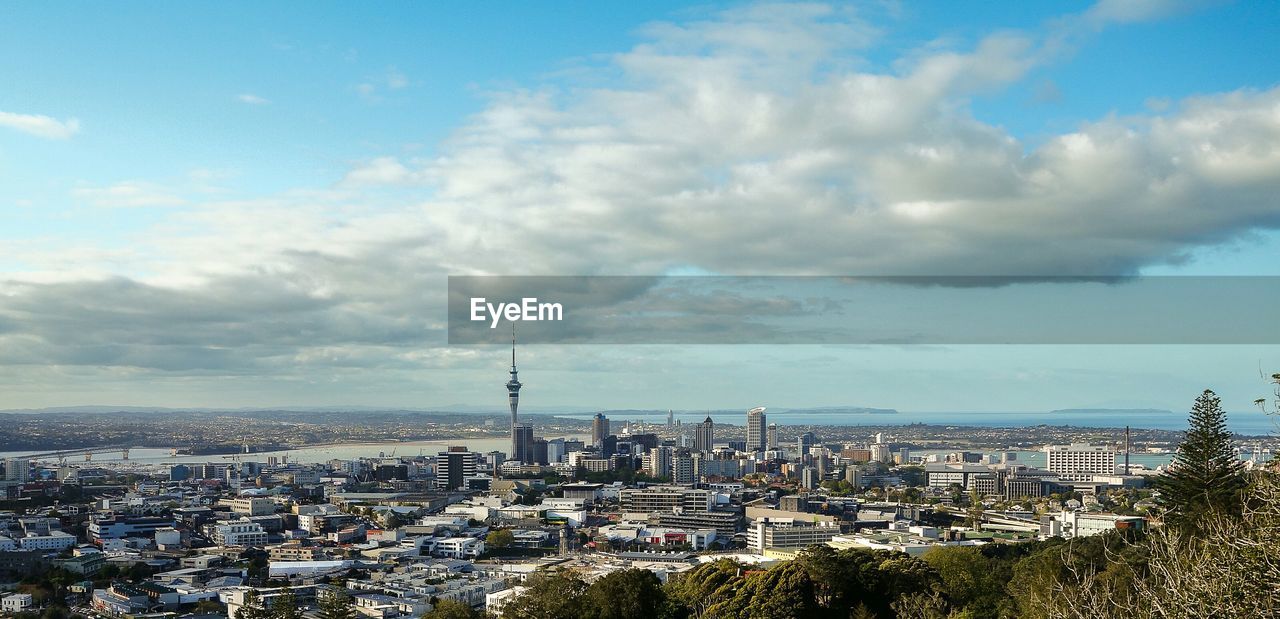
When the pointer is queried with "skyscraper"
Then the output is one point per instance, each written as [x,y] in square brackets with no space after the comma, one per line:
[804,442]
[513,395]
[454,466]
[773,436]
[756,429]
[659,462]
[705,436]
[671,414]
[522,434]
[682,471]
[599,429]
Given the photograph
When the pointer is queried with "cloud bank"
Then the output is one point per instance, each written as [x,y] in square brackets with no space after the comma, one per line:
[759,141]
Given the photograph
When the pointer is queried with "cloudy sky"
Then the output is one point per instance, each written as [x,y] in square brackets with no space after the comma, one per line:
[246,205]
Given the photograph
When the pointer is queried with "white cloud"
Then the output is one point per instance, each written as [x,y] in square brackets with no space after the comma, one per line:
[251,99]
[128,194]
[381,171]
[40,125]
[751,154]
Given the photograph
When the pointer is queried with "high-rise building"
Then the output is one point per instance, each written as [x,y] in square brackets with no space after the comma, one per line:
[682,471]
[555,450]
[599,429]
[756,429]
[853,476]
[880,453]
[772,441]
[809,478]
[454,466]
[804,442]
[17,469]
[540,451]
[513,393]
[1080,461]
[523,447]
[659,462]
[671,419]
[705,437]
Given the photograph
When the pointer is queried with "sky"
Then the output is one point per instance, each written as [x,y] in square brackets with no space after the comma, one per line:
[232,204]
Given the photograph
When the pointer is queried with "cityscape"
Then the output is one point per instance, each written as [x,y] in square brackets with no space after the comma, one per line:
[741,309]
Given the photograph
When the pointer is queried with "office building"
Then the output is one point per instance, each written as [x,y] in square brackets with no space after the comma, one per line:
[1080,461]
[804,442]
[789,533]
[453,467]
[555,450]
[757,430]
[251,506]
[664,499]
[599,429]
[522,443]
[682,468]
[244,534]
[705,436]
[658,463]
[809,478]
[772,441]
[880,453]
[17,469]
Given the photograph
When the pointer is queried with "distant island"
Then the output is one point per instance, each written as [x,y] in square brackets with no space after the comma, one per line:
[1111,411]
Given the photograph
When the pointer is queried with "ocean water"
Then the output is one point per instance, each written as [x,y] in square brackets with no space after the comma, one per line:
[1253,423]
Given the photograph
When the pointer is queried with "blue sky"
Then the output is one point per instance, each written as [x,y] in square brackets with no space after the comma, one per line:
[277,192]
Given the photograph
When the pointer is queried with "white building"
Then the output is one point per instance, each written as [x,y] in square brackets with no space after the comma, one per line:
[242,533]
[15,603]
[1082,524]
[54,541]
[789,533]
[458,547]
[1080,461]
[252,506]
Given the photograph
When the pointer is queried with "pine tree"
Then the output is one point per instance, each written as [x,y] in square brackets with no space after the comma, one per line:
[336,605]
[1205,477]
[252,608]
[285,606]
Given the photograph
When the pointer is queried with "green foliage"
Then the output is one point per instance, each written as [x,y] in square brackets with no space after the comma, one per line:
[252,608]
[500,538]
[973,581]
[451,609]
[704,586]
[783,592]
[336,604]
[625,594]
[1206,477]
[285,606]
[550,595]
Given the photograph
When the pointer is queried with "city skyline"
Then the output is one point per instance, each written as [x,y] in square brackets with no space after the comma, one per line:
[267,218]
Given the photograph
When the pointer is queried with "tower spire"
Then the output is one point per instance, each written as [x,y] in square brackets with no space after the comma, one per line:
[513,400]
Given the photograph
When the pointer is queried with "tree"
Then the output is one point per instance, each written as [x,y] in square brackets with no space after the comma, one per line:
[625,594]
[1206,477]
[285,606]
[252,607]
[500,538]
[336,604]
[549,595]
[451,609]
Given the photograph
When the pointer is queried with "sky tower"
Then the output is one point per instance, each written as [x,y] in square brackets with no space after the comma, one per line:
[513,393]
